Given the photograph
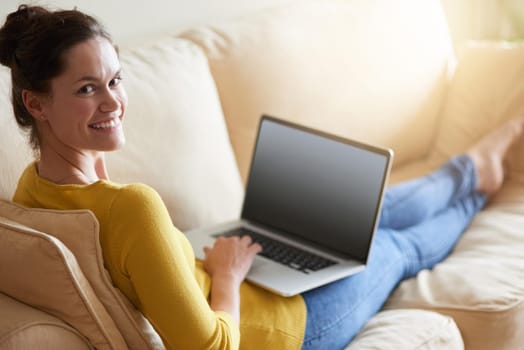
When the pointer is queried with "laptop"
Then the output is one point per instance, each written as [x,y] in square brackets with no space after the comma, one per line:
[312,201]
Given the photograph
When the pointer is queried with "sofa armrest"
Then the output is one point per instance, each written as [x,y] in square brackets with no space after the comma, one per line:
[408,329]
[24,327]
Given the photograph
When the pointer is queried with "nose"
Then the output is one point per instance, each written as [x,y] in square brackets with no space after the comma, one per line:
[110,102]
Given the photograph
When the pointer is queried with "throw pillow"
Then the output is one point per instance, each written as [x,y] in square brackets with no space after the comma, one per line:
[487,89]
[78,230]
[15,152]
[177,140]
[39,270]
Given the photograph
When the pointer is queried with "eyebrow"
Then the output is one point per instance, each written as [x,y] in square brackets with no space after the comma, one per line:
[92,78]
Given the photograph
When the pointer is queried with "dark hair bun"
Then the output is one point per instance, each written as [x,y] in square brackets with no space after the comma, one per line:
[18,25]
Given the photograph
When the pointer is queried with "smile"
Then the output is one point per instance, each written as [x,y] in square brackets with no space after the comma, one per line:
[107,124]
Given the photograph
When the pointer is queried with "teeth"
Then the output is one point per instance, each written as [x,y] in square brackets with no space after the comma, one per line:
[109,124]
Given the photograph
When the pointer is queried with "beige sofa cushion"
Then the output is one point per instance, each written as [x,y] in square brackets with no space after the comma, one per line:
[23,327]
[408,330]
[78,230]
[39,270]
[177,140]
[487,89]
[355,68]
[15,152]
[481,284]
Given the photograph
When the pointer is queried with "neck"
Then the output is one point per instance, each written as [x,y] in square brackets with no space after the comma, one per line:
[71,167]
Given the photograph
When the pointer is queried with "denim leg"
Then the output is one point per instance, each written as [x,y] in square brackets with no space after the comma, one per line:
[414,201]
[337,311]
[429,242]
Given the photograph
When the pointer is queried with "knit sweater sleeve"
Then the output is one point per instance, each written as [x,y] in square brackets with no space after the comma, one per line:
[159,262]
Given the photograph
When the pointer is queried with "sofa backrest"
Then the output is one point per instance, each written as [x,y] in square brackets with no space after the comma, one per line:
[371,70]
[374,70]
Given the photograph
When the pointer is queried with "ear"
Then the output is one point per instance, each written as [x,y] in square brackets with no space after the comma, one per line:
[34,103]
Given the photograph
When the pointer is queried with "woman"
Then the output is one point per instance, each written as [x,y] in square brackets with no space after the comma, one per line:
[67,93]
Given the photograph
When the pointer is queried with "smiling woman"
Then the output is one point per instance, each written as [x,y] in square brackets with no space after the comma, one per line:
[67,92]
[87,120]
[73,102]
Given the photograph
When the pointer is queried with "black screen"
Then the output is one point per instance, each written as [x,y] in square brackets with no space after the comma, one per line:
[316,187]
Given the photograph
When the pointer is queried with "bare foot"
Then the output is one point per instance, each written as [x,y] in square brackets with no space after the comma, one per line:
[488,154]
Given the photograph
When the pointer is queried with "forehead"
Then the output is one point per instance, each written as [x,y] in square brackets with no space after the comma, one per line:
[95,58]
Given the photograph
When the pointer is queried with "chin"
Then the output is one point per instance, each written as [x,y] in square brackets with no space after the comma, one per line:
[114,146]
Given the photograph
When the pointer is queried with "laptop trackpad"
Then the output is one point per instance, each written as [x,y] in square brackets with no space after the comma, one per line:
[258,266]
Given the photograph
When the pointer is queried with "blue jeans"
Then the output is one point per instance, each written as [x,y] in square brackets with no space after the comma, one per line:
[421,221]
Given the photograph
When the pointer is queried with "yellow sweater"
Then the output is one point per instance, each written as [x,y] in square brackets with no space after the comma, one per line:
[153,264]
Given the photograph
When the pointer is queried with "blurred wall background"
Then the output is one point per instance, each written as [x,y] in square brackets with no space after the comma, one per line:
[485,19]
[130,21]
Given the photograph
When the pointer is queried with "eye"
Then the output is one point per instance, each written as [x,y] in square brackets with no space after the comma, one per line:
[115,81]
[86,89]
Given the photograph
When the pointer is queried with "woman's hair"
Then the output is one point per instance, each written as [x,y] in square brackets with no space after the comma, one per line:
[33,41]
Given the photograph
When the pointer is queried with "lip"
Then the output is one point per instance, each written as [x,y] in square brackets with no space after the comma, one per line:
[103,124]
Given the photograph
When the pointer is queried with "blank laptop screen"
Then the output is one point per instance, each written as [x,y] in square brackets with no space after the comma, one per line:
[315,187]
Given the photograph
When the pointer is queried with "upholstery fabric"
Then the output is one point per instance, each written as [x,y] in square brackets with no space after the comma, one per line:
[408,330]
[371,77]
[15,152]
[42,260]
[78,230]
[23,327]
[481,284]
[487,89]
[177,141]
[371,70]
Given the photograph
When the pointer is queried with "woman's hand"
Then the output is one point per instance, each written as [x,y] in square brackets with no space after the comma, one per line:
[228,263]
[231,256]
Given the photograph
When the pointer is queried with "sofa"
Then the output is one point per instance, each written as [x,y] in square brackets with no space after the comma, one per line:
[378,71]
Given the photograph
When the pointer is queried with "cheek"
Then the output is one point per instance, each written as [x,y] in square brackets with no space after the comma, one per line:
[73,113]
[123,97]
[83,110]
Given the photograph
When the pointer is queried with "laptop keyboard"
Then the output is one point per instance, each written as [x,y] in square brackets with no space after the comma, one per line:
[283,253]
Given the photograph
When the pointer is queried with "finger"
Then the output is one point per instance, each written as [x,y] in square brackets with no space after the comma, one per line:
[221,240]
[255,248]
[206,250]
[246,240]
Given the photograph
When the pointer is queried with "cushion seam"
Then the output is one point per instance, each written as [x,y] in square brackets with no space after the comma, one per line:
[79,290]
[67,327]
